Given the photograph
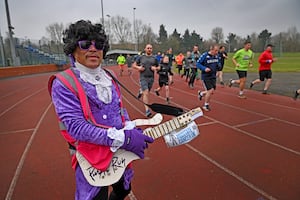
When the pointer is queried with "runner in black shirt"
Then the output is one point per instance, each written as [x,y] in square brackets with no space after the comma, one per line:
[164,73]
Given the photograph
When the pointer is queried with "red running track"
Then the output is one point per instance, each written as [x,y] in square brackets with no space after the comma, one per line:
[247,149]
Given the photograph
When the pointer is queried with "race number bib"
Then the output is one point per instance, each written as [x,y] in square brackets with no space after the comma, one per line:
[182,136]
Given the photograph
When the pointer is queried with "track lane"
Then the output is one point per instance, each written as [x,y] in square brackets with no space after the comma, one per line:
[190,171]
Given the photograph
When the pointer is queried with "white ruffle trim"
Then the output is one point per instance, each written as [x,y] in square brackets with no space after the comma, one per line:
[118,136]
[99,79]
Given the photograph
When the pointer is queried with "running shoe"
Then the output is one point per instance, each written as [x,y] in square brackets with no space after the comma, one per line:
[199,95]
[156,92]
[251,85]
[230,82]
[296,95]
[148,113]
[139,95]
[206,108]
[242,96]
[168,100]
[265,92]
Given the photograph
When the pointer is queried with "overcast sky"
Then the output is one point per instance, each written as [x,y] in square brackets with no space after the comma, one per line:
[242,17]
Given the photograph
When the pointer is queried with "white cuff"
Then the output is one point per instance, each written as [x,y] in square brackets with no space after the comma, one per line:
[118,136]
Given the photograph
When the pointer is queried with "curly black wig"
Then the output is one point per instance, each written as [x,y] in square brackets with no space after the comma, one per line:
[83,30]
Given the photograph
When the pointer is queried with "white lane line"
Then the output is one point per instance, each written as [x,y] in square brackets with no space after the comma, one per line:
[252,186]
[132,105]
[23,157]
[245,110]
[253,122]
[231,173]
[132,196]
[16,131]
[22,100]
[252,99]
[207,123]
[249,134]
[12,92]
[266,102]
[257,137]
[254,112]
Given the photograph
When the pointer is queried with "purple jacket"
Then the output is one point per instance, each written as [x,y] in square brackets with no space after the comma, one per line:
[68,109]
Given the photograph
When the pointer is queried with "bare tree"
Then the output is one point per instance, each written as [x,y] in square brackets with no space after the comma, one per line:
[55,31]
[292,39]
[147,35]
[121,28]
[140,30]
[217,35]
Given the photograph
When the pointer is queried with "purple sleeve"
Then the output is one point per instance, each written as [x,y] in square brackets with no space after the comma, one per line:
[126,115]
[68,109]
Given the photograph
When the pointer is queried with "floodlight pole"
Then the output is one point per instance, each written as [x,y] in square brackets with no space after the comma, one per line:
[2,50]
[102,13]
[134,31]
[109,31]
[15,59]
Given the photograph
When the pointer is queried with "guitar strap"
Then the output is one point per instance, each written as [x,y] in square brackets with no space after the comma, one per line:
[69,79]
[123,86]
[156,107]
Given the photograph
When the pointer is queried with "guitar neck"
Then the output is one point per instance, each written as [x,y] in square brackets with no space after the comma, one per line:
[173,124]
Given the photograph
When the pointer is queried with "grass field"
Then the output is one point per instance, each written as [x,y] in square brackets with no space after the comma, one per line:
[287,62]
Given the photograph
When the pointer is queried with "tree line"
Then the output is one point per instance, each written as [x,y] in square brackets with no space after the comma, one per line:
[126,35]
[123,34]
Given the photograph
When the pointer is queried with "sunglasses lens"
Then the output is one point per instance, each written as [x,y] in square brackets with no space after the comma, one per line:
[98,45]
[84,44]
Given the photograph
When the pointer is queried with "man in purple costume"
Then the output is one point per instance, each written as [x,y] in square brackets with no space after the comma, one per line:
[86,44]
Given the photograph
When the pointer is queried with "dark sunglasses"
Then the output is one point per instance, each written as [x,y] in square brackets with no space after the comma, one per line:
[86,44]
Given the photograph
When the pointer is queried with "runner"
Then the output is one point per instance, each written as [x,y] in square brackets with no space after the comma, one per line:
[242,59]
[164,72]
[146,64]
[265,60]
[121,60]
[208,63]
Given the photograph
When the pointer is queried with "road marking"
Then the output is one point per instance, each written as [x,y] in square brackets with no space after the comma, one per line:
[231,173]
[253,122]
[257,137]
[22,100]
[132,196]
[12,92]
[16,131]
[23,157]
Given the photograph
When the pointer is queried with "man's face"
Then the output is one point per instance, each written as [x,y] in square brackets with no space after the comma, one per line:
[166,59]
[214,51]
[195,49]
[91,57]
[148,49]
[248,46]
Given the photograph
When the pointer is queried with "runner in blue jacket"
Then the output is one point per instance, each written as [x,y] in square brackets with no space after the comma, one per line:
[208,63]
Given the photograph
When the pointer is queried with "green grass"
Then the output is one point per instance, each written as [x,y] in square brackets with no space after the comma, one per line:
[287,62]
